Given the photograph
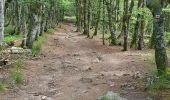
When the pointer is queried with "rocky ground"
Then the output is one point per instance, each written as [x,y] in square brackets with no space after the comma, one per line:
[73,67]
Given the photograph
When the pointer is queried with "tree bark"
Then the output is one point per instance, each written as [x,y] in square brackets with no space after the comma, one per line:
[23,24]
[158,29]
[98,17]
[1,22]
[109,10]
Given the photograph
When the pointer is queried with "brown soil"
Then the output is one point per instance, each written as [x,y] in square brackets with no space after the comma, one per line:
[73,67]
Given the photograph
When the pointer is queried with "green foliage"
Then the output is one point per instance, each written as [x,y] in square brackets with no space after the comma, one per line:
[166,9]
[104,98]
[51,31]
[20,64]
[9,30]
[72,18]
[37,45]
[3,87]
[69,6]
[17,76]
[17,71]
[160,83]
[12,38]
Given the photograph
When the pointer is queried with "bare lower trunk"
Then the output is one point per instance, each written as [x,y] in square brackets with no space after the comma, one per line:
[23,25]
[1,22]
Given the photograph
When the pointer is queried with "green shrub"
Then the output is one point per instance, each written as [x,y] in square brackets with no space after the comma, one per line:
[50,31]
[158,84]
[3,87]
[17,76]
[37,45]
[12,38]
[9,30]
[73,18]
[17,71]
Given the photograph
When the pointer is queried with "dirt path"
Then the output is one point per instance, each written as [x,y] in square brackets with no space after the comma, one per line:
[73,67]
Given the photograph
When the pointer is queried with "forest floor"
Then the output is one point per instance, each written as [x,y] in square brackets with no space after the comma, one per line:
[73,67]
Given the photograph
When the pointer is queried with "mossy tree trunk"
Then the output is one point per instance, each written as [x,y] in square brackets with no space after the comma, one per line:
[85,17]
[34,25]
[125,28]
[110,19]
[98,17]
[160,48]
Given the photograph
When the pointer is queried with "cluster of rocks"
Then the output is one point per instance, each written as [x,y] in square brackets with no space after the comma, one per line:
[111,96]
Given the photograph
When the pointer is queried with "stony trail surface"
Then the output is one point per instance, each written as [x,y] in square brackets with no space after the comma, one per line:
[73,67]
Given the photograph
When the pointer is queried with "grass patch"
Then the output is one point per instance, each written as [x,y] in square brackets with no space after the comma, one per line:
[51,31]
[159,84]
[17,71]
[37,45]
[3,87]
[17,76]
[12,38]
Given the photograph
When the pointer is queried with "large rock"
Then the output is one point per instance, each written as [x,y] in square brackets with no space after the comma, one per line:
[112,96]
[16,50]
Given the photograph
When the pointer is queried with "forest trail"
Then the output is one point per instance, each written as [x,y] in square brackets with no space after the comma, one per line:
[73,67]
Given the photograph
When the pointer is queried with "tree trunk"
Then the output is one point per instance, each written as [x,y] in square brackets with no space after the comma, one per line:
[125,27]
[158,29]
[98,17]
[1,22]
[141,38]
[88,18]
[160,51]
[23,24]
[113,36]
[85,17]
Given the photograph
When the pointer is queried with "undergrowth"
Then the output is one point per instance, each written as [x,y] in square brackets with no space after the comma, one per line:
[159,84]
[12,38]
[51,31]
[9,30]
[17,71]
[15,74]
[37,45]
[3,87]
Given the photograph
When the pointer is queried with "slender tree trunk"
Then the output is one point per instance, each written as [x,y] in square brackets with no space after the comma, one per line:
[85,17]
[117,10]
[103,23]
[109,10]
[88,18]
[98,17]
[1,22]
[17,18]
[141,34]
[78,14]
[137,39]
[125,27]
[23,24]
